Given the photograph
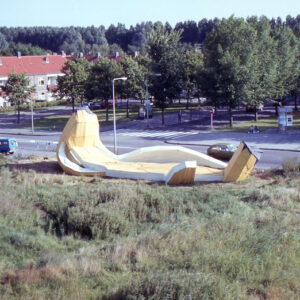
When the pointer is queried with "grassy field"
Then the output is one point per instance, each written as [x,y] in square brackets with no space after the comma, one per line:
[58,122]
[67,237]
[263,124]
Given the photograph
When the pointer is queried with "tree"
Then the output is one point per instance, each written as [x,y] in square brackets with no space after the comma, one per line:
[3,42]
[261,72]
[191,63]
[166,54]
[18,89]
[228,59]
[134,85]
[72,84]
[99,83]
[286,58]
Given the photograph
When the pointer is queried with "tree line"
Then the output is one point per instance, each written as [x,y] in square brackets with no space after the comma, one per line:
[116,38]
[241,62]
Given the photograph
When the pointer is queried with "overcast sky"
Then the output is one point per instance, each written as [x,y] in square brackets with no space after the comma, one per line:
[130,12]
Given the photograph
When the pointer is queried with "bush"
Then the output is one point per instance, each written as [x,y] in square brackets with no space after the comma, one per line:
[291,166]
[67,237]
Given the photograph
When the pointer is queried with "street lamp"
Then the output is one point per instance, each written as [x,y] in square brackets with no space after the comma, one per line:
[114,111]
[147,95]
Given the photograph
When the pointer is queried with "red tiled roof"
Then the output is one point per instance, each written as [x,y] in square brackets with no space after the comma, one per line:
[31,65]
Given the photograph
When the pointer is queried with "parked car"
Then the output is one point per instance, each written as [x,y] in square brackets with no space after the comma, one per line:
[103,104]
[94,106]
[222,150]
[8,145]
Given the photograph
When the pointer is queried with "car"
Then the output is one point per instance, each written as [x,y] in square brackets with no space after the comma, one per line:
[8,145]
[223,151]
[104,105]
[94,106]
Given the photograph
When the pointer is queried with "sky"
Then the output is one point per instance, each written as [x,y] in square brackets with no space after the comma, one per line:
[85,13]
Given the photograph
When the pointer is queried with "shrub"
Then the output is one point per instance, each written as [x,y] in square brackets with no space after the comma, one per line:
[291,166]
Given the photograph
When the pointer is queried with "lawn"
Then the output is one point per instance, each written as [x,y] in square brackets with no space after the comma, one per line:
[263,124]
[58,122]
[67,237]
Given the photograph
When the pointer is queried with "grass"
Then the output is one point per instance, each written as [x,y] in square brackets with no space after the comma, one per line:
[58,122]
[263,124]
[67,237]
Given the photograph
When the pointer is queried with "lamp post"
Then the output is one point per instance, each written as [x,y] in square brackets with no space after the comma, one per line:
[114,111]
[147,94]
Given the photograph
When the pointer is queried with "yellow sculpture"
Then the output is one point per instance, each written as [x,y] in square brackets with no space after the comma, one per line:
[81,152]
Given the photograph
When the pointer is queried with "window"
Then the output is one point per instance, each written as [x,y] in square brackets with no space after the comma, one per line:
[3,82]
[41,81]
[52,80]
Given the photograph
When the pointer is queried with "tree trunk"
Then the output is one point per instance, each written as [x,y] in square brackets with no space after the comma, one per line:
[187,102]
[18,112]
[255,114]
[230,116]
[163,115]
[106,104]
[295,99]
[127,109]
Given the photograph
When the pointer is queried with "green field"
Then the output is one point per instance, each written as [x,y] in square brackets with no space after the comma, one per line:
[67,237]
[57,123]
[263,124]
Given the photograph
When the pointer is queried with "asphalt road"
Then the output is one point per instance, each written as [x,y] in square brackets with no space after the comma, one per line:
[126,142]
[137,134]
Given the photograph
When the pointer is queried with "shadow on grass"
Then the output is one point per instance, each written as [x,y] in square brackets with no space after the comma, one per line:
[41,167]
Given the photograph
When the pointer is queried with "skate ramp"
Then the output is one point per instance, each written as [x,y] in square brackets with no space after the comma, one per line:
[81,152]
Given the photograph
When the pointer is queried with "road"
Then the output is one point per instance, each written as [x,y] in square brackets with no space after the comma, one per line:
[129,139]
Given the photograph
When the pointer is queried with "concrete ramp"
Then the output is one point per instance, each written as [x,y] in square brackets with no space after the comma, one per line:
[81,152]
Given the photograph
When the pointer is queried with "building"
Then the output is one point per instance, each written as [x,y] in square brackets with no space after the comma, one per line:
[42,72]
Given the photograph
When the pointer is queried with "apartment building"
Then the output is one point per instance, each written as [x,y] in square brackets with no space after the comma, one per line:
[42,72]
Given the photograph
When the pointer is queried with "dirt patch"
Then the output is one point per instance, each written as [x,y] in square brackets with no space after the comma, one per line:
[39,164]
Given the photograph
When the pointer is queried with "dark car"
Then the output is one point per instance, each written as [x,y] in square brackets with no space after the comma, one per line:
[94,106]
[222,151]
[104,105]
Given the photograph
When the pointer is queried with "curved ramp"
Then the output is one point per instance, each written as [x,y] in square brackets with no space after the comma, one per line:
[81,152]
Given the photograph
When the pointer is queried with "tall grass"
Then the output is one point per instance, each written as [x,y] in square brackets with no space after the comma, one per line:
[65,237]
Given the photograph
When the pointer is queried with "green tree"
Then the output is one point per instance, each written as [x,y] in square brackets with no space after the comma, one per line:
[18,89]
[190,64]
[262,70]
[72,85]
[165,52]
[99,83]
[228,59]
[287,62]
[296,89]
[134,86]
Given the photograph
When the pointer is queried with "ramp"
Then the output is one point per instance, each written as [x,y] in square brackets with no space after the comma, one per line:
[81,152]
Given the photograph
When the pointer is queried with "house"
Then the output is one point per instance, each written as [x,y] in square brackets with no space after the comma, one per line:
[4,101]
[42,72]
